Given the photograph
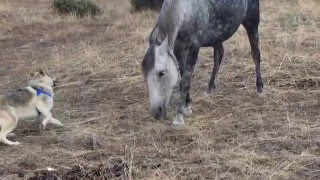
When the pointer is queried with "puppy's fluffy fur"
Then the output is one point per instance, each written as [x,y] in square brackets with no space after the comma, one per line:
[30,102]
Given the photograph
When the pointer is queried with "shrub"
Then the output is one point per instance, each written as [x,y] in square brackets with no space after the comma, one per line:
[139,5]
[79,8]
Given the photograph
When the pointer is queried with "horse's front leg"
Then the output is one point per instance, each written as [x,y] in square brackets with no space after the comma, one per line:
[181,53]
[185,100]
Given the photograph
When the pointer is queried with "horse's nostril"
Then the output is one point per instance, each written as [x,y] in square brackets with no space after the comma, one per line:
[157,112]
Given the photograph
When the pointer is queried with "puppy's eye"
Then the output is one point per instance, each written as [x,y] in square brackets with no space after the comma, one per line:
[162,73]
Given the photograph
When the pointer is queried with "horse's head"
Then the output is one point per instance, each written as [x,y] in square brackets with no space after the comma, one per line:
[161,75]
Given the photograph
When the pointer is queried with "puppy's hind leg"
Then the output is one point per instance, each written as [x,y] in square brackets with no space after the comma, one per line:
[11,135]
[6,129]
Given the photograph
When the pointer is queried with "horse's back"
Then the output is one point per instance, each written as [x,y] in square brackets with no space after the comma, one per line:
[208,22]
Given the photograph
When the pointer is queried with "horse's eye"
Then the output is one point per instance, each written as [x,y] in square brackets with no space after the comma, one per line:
[161,73]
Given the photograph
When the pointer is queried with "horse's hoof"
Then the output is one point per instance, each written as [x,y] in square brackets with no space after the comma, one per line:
[187,110]
[178,120]
[207,94]
[177,123]
[261,93]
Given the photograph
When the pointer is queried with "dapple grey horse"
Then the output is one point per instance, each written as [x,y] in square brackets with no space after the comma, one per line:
[183,27]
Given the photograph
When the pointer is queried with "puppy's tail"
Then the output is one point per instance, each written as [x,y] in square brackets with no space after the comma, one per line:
[1,102]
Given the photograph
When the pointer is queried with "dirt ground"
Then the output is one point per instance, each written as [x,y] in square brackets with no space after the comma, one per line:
[103,101]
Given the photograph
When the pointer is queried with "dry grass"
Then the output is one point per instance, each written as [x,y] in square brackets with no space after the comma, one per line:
[5,6]
[102,99]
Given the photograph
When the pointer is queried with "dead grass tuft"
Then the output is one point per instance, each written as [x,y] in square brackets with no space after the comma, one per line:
[84,142]
[29,161]
[5,6]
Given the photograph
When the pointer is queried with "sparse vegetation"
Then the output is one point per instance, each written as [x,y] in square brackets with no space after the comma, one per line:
[80,8]
[4,5]
[139,5]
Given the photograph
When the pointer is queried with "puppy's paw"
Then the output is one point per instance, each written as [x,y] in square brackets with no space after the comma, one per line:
[207,94]
[60,124]
[15,143]
[56,122]
[10,143]
[11,135]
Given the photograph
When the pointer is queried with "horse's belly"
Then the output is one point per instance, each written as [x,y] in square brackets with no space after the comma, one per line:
[217,34]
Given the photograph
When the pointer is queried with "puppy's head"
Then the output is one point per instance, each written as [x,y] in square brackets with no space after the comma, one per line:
[41,77]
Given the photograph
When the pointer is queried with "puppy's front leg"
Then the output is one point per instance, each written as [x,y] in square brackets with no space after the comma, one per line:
[11,135]
[46,114]
[46,120]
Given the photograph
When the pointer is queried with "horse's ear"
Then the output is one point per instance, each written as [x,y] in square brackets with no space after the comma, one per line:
[154,35]
[160,38]
[165,45]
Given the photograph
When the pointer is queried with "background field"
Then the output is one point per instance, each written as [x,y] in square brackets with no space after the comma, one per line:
[102,98]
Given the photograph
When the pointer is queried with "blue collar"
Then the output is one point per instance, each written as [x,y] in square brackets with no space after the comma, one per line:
[40,91]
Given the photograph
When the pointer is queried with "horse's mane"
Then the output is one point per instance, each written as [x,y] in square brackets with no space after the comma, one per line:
[168,22]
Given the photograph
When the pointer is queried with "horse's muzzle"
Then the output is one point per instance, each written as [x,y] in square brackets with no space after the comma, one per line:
[159,112]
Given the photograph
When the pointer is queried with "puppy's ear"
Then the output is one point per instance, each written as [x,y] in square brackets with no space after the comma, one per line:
[32,74]
[42,72]
[54,79]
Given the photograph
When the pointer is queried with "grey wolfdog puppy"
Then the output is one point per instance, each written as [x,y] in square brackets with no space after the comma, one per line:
[32,101]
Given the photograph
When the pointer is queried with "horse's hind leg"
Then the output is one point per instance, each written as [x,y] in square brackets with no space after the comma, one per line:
[251,26]
[218,55]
